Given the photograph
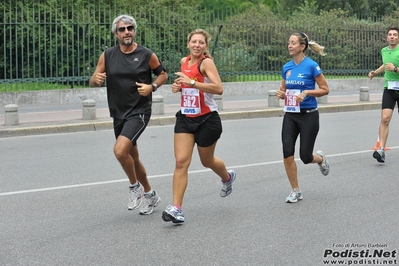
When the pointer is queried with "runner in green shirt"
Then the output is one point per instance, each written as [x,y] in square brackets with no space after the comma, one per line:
[390,64]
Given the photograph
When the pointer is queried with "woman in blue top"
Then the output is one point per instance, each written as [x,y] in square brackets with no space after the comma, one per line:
[299,77]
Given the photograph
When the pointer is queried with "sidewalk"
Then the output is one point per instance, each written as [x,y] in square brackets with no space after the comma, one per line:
[65,118]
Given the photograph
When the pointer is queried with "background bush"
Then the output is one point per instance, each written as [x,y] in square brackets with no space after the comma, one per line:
[59,41]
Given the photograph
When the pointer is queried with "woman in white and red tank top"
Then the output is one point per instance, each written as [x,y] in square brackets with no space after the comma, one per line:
[197,121]
[196,102]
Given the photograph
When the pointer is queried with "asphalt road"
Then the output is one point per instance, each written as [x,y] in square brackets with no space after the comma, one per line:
[63,200]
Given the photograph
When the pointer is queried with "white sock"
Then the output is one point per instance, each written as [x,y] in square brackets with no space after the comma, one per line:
[135,184]
[149,192]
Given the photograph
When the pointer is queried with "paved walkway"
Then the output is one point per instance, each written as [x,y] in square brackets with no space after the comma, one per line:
[68,118]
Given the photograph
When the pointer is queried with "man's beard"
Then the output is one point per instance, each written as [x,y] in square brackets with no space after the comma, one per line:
[126,42]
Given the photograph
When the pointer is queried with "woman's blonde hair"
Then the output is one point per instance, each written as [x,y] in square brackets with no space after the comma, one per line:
[315,47]
[207,39]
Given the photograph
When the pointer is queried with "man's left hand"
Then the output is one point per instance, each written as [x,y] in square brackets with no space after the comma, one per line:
[144,89]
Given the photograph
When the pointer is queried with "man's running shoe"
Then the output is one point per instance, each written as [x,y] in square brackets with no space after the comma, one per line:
[379,155]
[135,197]
[149,203]
[173,214]
[227,187]
[324,165]
[294,196]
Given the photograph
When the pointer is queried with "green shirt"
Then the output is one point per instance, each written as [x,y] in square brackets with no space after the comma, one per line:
[390,56]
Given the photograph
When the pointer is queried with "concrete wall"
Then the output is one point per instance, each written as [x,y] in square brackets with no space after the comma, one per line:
[230,89]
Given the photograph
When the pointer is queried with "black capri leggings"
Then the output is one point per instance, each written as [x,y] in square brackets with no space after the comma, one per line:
[305,124]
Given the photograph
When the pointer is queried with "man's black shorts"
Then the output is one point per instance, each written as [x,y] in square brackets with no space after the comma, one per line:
[132,127]
[389,99]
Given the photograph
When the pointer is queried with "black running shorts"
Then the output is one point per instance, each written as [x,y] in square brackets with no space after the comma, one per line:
[207,129]
[389,99]
[131,128]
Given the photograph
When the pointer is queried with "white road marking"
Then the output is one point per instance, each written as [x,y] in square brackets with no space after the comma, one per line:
[164,175]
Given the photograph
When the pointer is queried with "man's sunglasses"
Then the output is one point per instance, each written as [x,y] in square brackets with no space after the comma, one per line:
[129,28]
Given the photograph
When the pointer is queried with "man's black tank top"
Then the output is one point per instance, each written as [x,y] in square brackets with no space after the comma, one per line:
[123,71]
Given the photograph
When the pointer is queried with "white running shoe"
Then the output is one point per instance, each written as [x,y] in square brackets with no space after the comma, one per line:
[324,165]
[294,196]
[149,203]
[227,187]
[135,197]
[173,214]
[379,155]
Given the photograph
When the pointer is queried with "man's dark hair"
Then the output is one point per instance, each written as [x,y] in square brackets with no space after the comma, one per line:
[393,28]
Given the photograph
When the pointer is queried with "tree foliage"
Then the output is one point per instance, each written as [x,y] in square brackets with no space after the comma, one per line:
[61,40]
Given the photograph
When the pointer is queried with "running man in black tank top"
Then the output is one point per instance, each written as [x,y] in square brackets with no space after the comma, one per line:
[127,68]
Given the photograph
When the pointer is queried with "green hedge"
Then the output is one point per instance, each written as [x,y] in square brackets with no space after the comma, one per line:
[60,41]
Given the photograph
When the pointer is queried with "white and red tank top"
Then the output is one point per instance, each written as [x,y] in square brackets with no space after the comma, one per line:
[195,102]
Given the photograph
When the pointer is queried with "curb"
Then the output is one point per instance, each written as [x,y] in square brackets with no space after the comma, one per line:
[170,120]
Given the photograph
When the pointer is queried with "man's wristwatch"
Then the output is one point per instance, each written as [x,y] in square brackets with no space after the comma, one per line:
[154,87]
[192,82]
[395,69]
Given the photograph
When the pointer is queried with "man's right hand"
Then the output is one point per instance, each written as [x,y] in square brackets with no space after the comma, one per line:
[99,78]
[371,74]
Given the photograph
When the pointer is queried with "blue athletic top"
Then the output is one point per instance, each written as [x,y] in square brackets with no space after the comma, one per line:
[302,77]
